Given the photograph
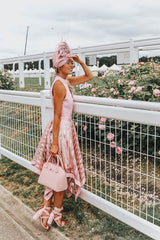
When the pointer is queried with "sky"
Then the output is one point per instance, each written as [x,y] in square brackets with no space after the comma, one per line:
[79,22]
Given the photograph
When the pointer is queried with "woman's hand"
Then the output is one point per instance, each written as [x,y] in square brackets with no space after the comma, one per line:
[76,58]
[54,149]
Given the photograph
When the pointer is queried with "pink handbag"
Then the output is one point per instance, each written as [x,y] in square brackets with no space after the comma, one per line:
[53,175]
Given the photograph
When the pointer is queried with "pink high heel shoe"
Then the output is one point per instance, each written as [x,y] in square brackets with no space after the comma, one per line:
[56,211]
[38,214]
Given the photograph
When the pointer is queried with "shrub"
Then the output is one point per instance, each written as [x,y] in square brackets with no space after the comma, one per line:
[6,81]
[139,81]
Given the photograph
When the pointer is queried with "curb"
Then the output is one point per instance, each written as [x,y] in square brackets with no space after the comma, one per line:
[22,215]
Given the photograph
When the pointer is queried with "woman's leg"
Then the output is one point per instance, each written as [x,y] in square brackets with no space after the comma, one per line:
[47,204]
[58,201]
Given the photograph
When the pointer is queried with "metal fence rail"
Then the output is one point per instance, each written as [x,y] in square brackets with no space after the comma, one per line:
[119,142]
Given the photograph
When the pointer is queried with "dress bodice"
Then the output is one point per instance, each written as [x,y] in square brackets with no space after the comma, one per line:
[67,107]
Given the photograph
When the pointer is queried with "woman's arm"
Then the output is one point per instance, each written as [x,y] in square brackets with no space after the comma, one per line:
[59,93]
[81,79]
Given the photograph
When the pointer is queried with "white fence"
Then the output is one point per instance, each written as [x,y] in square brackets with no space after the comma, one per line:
[125,185]
[127,52]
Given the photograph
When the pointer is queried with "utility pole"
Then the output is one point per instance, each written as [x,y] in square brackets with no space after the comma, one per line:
[26,40]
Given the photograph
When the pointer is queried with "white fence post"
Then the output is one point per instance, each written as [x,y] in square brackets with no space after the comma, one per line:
[46,113]
[131,51]
[21,74]
[46,72]
[136,55]
[82,57]
[1,66]
[43,109]
[14,70]
[40,74]
[76,69]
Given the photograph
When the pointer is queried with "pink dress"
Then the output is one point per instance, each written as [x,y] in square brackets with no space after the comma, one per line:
[68,145]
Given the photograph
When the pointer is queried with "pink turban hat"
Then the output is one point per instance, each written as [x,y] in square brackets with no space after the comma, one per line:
[61,55]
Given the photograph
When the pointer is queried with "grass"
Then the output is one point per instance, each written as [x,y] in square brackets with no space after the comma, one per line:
[84,221]
[31,84]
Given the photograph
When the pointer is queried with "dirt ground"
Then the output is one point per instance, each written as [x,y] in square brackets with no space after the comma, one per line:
[83,221]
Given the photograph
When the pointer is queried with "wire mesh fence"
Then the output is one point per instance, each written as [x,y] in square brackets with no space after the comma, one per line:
[121,158]
[20,127]
[122,163]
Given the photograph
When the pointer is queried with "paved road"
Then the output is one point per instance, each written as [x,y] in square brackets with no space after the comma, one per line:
[16,221]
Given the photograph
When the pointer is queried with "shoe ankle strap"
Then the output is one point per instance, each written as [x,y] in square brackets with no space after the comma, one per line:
[47,208]
[57,210]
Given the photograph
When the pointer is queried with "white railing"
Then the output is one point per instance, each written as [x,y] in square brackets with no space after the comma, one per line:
[125,185]
[127,52]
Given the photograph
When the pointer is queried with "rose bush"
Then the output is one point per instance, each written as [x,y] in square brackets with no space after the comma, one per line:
[6,81]
[139,81]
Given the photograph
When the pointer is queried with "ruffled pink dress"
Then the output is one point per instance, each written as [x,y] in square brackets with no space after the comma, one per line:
[68,145]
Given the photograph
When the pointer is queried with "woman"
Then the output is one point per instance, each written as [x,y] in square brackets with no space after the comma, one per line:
[59,137]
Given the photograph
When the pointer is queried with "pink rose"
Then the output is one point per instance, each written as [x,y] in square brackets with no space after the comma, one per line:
[128,65]
[110,136]
[76,123]
[119,81]
[118,150]
[131,83]
[102,127]
[133,89]
[103,119]
[84,128]
[129,97]
[112,89]
[93,90]
[157,68]
[3,73]
[116,92]
[120,97]
[127,70]
[113,144]
[159,152]
[103,92]
[139,89]
[156,92]
[121,71]
[141,63]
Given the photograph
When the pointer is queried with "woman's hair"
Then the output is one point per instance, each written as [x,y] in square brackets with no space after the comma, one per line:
[71,88]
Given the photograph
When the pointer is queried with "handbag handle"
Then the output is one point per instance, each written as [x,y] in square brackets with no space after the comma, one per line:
[59,160]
